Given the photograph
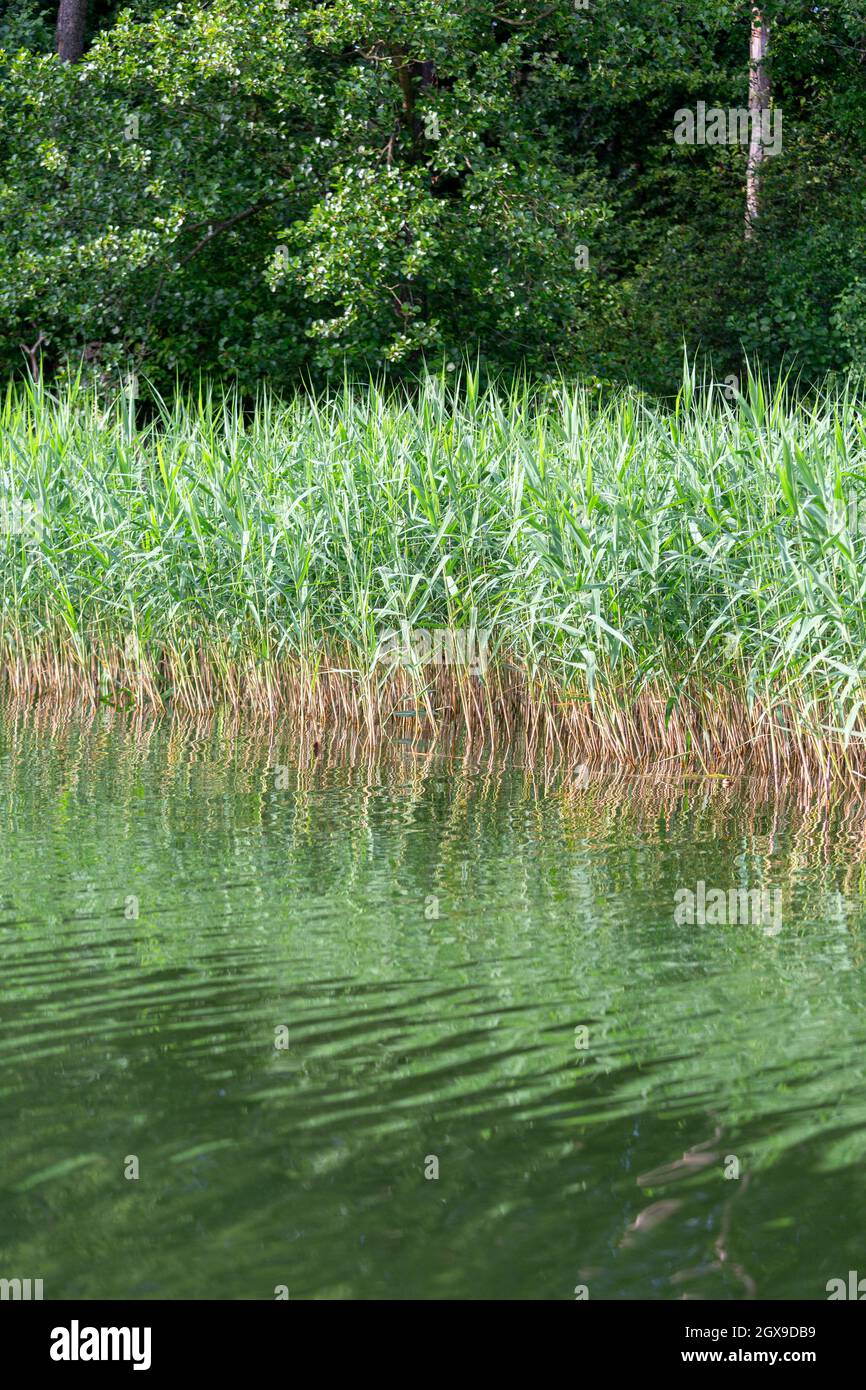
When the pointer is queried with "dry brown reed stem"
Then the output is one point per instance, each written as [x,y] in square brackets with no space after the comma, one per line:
[710,729]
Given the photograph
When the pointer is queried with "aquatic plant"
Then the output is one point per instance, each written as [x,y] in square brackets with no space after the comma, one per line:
[654,581]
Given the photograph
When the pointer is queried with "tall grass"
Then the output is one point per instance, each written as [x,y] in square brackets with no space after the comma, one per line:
[675,581]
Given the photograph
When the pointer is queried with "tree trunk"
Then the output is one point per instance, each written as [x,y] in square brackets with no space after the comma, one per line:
[759,101]
[71,19]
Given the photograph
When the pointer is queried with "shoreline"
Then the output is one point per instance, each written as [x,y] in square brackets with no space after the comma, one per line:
[707,730]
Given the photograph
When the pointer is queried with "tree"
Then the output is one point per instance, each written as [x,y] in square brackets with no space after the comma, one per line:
[286,188]
[71,22]
[759,103]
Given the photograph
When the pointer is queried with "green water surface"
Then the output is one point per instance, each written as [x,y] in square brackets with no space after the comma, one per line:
[430,936]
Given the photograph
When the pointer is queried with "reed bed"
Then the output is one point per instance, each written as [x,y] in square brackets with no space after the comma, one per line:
[662,583]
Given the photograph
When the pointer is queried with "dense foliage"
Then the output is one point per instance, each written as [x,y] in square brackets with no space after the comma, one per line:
[662,577]
[268,188]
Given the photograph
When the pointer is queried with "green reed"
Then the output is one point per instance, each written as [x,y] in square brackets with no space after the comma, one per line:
[611,548]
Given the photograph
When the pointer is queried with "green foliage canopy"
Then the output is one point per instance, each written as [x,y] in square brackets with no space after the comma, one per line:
[265,188]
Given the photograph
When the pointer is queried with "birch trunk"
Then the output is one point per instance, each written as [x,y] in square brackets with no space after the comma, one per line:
[759,101]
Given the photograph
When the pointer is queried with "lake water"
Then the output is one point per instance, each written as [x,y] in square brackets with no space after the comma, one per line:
[417,1025]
